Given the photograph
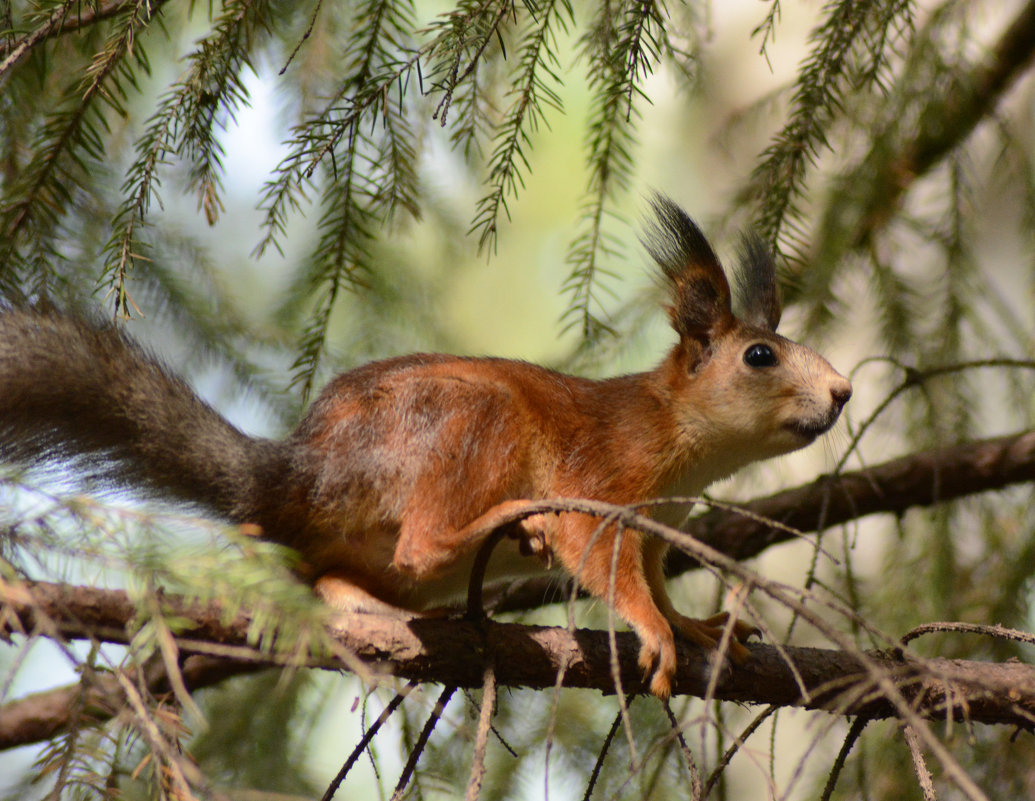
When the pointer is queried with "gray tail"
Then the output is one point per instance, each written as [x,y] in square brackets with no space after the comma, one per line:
[77,393]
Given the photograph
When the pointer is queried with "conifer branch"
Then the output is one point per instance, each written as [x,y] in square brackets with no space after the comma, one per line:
[61,21]
[851,48]
[315,138]
[532,88]
[438,650]
[919,131]
[185,124]
[620,55]
[66,142]
[14,51]
[371,172]
[465,35]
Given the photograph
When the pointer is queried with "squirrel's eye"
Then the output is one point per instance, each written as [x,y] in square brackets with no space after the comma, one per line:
[759,356]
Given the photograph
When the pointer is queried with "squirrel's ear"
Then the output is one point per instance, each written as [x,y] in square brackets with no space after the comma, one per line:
[700,308]
[757,291]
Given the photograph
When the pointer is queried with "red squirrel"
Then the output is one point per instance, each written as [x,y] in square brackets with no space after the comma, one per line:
[386,485]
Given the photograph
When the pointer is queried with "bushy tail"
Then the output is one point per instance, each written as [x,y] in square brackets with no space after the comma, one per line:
[74,391]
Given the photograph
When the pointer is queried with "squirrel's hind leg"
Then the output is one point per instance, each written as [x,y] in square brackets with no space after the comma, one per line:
[342,594]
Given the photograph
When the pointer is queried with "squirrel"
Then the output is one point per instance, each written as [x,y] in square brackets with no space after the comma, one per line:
[392,478]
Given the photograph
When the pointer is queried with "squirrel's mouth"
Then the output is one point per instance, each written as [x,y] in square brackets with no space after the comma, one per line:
[811,429]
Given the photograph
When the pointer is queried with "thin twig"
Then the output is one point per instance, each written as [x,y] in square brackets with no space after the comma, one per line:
[738,741]
[368,735]
[839,762]
[598,766]
[696,792]
[616,668]
[923,773]
[57,23]
[422,741]
[996,631]
[305,35]
[474,784]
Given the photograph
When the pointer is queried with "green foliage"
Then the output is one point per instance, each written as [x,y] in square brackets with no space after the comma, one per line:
[621,48]
[532,82]
[186,125]
[852,47]
[265,749]
[65,148]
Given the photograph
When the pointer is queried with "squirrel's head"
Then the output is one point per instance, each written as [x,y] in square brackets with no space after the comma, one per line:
[736,384]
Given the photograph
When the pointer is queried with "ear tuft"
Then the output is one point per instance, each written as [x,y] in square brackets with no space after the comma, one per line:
[700,292]
[757,290]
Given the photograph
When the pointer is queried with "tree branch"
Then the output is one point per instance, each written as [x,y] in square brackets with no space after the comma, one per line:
[970,101]
[43,715]
[441,650]
[60,22]
[924,478]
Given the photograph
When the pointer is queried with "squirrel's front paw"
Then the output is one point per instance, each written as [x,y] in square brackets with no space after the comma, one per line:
[658,660]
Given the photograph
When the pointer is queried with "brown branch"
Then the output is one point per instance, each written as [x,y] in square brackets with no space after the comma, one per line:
[441,650]
[481,740]
[63,20]
[924,478]
[43,715]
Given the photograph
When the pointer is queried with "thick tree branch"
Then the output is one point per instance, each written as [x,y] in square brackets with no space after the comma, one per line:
[924,478]
[454,652]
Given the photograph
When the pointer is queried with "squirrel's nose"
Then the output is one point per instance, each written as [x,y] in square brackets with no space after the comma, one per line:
[841,392]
